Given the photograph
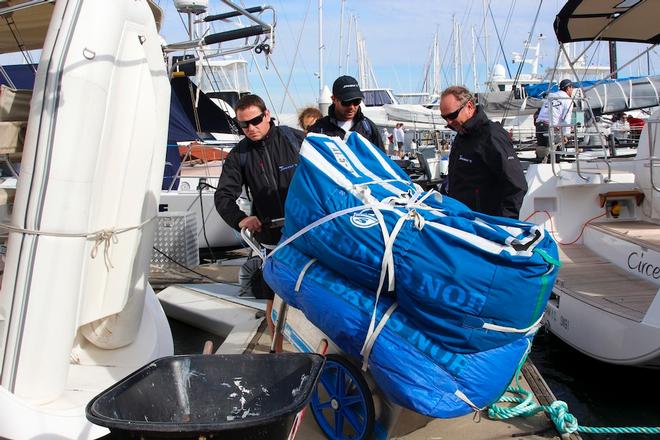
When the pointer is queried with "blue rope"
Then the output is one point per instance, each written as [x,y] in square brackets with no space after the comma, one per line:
[565,422]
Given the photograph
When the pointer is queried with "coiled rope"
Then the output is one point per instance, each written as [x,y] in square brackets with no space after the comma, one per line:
[565,422]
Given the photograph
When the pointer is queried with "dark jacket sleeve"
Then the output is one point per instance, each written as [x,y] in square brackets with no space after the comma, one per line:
[376,138]
[505,163]
[317,127]
[230,187]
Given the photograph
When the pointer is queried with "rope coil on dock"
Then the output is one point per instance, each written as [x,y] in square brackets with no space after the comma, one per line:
[565,422]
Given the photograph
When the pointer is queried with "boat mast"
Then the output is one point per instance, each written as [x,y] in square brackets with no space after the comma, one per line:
[455,27]
[460,53]
[474,60]
[436,64]
[341,34]
[321,84]
[485,28]
[613,63]
[348,43]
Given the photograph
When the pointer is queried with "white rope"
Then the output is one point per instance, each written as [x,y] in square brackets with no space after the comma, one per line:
[104,237]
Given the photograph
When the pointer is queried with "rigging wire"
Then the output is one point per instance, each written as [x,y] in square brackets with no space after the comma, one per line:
[286,89]
[295,54]
[522,63]
[263,82]
[15,33]
[499,39]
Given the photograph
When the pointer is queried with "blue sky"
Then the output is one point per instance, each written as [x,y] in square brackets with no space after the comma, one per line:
[398,35]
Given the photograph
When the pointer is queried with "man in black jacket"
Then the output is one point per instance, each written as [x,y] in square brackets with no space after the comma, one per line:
[345,115]
[484,171]
[264,161]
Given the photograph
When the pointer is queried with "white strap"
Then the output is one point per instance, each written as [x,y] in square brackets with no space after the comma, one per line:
[371,340]
[501,328]
[464,398]
[302,274]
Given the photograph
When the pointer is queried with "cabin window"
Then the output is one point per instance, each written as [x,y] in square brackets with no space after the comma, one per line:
[376,98]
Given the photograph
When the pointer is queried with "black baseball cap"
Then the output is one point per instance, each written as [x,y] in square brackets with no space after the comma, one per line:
[346,88]
[565,83]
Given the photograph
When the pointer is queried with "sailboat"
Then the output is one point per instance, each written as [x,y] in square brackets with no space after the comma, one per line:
[605,213]
[76,310]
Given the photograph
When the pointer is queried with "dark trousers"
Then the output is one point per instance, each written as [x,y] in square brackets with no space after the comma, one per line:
[542,134]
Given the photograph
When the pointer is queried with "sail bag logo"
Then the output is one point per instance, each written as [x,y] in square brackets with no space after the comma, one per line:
[364,219]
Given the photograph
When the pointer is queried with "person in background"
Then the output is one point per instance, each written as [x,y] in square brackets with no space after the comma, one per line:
[556,111]
[636,126]
[399,136]
[484,171]
[386,141]
[308,116]
[345,115]
[264,162]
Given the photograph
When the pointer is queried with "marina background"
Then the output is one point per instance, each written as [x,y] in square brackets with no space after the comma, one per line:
[398,36]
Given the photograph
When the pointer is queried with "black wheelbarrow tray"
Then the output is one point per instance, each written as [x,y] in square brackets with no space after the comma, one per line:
[249,396]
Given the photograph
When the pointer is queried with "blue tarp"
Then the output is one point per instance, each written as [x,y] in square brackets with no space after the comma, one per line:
[540,90]
[21,75]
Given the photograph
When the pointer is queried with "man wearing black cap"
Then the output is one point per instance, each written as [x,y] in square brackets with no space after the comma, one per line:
[559,118]
[345,115]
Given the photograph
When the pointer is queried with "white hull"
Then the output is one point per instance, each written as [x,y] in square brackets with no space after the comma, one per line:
[218,232]
[215,308]
[606,301]
[76,311]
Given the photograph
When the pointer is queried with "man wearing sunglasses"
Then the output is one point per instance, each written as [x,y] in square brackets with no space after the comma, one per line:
[264,163]
[484,171]
[345,115]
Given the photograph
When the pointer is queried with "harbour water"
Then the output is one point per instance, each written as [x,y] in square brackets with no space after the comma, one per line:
[598,394]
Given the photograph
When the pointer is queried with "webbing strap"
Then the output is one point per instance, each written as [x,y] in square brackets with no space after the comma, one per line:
[500,328]
[371,340]
[302,274]
[461,395]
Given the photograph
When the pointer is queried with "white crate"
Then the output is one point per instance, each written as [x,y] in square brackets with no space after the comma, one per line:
[176,237]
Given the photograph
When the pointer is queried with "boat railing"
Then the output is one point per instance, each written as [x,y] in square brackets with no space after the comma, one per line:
[261,31]
[205,158]
[575,128]
[651,139]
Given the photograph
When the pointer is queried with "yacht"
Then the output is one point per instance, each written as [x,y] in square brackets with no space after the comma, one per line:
[605,214]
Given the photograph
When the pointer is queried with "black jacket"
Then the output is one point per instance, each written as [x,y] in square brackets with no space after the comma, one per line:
[329,125]
[267,169]
[484,171]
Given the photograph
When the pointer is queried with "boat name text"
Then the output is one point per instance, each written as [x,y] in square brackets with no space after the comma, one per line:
[636,262]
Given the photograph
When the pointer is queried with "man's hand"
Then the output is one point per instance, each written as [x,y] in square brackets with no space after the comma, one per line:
[250,223]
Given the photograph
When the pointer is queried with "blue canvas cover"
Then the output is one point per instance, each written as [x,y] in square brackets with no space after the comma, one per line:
[473,282]
[409,367]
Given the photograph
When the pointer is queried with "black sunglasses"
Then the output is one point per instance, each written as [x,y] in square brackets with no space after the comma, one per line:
[254,121]
[355,102]
[453,115]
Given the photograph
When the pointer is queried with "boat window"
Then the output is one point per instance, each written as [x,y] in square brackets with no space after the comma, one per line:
[230,98]
[376,98]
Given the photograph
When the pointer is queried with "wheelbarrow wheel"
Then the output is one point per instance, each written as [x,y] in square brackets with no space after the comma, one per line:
[341,402]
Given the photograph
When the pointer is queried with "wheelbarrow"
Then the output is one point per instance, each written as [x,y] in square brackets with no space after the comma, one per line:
[246,397]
